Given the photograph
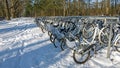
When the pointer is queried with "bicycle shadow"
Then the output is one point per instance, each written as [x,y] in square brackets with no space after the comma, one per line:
[34,55]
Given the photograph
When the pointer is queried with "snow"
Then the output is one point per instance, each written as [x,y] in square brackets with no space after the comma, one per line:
[23,45]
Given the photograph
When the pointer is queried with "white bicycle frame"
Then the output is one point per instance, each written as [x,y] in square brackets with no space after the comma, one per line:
[97,30]
[117,39]
[101,31]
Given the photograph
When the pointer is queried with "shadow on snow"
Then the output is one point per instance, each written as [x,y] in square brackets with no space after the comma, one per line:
[42,56]
[17,28]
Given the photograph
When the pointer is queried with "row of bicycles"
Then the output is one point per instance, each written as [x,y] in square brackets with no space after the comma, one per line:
[85,35]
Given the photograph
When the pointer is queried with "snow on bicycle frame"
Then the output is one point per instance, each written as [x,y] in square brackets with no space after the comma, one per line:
[79,22]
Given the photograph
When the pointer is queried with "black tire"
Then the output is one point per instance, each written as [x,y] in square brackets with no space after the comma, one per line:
[52,39]
[117,49]
[85,34]
[49,33]
[84,57]
[42,29]
[63,45]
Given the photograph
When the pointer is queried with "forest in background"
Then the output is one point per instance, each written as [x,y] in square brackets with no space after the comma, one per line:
[35,8]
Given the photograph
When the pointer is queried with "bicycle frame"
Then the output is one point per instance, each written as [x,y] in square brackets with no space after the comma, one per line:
[117,39]
[96,32]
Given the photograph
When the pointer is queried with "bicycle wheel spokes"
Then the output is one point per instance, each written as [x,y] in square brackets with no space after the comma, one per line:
[81,58]
[104,35]
[117,45]
[104,38]
[88,31]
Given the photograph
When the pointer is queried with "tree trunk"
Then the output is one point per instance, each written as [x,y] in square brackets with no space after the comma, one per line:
[78,8]
[64,9]
[97,7]
[7,9]
[14,7]
[107,7]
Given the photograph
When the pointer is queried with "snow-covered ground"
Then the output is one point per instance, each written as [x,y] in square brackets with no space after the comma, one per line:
[23,45]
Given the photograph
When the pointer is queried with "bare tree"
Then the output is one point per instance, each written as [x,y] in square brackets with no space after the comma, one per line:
[107,7]
[7,9]
[64,7]
[2,12]
[15,6]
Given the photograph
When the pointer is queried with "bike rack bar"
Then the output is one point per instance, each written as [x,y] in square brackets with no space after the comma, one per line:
[109,42]
[106,20]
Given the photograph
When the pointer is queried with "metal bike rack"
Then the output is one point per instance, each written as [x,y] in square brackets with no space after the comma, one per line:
[106,20]
[111,22]
[109,42]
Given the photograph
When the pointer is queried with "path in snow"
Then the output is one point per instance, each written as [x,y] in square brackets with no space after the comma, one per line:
[23,45]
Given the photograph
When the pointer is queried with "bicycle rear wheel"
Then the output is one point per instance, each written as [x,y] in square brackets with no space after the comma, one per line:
[88,30]
[42,29]
[104,35]
[49,33]
[81,58]
[52,39]
[63,44]
[117,49]
[117,45]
